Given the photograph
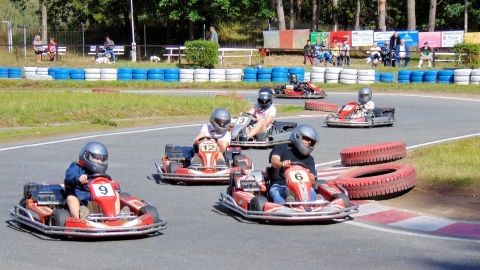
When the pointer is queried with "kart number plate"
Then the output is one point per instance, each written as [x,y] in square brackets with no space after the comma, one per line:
[348,107]
[208,147]
[103,190]
[299,176]
[242,120]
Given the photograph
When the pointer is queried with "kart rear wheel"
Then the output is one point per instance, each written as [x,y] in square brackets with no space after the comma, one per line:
[173,166]
[257,203]
[59,217]
[149,209]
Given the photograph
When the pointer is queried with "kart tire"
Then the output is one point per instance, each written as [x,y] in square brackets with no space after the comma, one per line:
[373,153]
[348,71]
[257,203]
[59,217]
[320,106]
[367,82]
[366,72]
[462,72]
[173,166]
[378,181]
[149,209]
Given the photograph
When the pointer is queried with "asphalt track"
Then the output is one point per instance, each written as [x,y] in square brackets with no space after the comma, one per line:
[200,235]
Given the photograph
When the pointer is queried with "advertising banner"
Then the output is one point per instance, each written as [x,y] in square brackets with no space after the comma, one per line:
[380,38]
[450,38]
[472,37]
[320,36]
[271,39]
[434,39]
[411,37]
[362,38]
[300,37]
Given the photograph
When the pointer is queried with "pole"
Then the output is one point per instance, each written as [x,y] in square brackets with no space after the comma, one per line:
[134,45]
[203,32]
[83,41]
[145,39]
[10,37]
[25,41]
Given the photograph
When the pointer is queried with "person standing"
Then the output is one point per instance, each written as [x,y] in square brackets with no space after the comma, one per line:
[402,54]
[213,34]
[38,48]
[394,42]
[307,53]
[426,53]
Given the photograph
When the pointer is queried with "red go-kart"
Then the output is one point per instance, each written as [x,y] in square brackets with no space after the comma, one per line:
[347,117]
[178,163]
[43,208]
[307,90]
[248,196]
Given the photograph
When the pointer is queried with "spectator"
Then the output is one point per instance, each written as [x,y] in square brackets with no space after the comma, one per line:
[385,54]
[374,56]
[426,53]
[335,51]
[394,42]
[38,48]
[109,45]
[317,53]
[344,54]
[402,54]
[308,53]
[52,49]
[213,34]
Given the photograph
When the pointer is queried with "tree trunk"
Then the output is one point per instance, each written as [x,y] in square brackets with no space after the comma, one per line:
[190,30]
[292,16]
[44,22]
[334,19]
[412,22]
[382,15]
[280,15]
[465,19]
[357,16]
[313,26]
[432,15]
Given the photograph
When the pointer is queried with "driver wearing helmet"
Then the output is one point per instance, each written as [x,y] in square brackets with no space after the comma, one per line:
[365,103]
[296,84]
[93,159]
[303,140]
[265,113]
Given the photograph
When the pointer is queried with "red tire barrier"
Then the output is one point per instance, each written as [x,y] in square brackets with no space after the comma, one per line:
[373,153]
[320,106]
[378,180]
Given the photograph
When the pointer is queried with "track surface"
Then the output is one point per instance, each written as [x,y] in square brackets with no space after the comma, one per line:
[200,235]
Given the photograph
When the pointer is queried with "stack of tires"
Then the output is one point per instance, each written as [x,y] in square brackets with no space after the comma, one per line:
[92,74]
[156,74]
[139,74]
[3,73]
[416,76]
[108,74]
[318,74]
[62,74]
[387,77]
[462,76]
[51,71]
[332,74]
[201,75]
[430,76]
[348,76]
[366,76]
[475,76]
[298,71]
[446,76]
[30,72]
[77,74]
[233,74]
[171,75]
[264,74]
[404,76]
[42,71]
[250,75]
[307,76]
[124,74]
[217,75]
[186,75]
[280,75]
[377,76]
[14,73]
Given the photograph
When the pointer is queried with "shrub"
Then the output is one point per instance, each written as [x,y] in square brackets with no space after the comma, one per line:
[201,53]
[470,53]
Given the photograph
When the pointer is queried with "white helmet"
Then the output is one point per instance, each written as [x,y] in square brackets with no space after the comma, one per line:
[94,156]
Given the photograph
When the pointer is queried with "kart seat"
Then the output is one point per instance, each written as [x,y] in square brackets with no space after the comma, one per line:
[283,126]
[178,152]
[380,111]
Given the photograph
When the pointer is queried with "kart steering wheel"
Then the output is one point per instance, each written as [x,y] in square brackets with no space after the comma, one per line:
[96,175]
[206,138]
[251,115]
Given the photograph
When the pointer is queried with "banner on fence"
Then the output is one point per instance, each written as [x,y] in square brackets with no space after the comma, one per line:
[320,36]
[434,39]
[271,39]
[472,37]
[285,39]
[362,38]
[380,38]
[340,36]
[411,37]
[450,38]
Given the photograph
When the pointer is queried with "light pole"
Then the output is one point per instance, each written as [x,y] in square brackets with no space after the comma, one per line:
[134,45]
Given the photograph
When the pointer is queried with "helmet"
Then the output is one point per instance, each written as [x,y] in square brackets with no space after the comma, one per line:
[364,95]
[265,97]
[304,131]
[94,156]
[220,120]
[293,78]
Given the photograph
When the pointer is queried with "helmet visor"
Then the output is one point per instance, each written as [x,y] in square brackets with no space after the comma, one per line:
[222,123]
[310,142]
[97,158]
[263,101]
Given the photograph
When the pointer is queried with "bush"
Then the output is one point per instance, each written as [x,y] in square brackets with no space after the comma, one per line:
[201,53]
[470,53]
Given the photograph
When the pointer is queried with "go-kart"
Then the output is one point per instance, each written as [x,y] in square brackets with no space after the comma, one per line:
[247,195]
[177,163]
[279,133]
[346,117]
[43,208]
[307,90]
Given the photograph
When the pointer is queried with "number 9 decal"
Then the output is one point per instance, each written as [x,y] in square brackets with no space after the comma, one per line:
[103,190]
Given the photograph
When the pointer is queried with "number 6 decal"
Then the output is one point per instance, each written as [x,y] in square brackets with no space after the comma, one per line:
[299,176]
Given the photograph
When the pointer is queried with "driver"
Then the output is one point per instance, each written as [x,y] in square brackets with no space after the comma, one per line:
[93,159]
[265,113]
[296,84]
[303,140]
[365,103]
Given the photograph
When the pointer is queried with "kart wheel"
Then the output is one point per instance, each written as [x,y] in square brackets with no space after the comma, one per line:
[257,203]
[149,209]
[373,153]
[391,119]
[59,217]
[278,92]
[378,181]
[173,166]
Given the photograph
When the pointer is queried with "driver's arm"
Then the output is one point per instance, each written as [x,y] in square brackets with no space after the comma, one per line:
[268,121]
[223,144]
[277,162]
[251,111]
[200,135]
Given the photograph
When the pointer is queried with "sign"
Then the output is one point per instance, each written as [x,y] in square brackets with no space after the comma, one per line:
[362,38]
[320,36]
[472,37]
[434,39]
[380,38]
[340,36]
[450,38]
[271,39]
[411,37]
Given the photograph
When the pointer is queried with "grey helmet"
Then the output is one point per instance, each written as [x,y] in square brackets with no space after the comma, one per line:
[220,120]
[364,95]
[293,78]
[94,157]
[265,97]
[301,132]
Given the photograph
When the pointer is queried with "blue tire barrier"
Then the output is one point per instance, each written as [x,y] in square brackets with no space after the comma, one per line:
[250,80]
[416,76]
[51,71]
[402,77]
[156,76]
[280,75]
[279,80]
[404,72]
[14,73]
[446,72]
[3,72]
[77,76]
[377,76]
[139,71]
[250,76]
[387,77]
[264,71]
[446,79]
[263,80]
[124,76]
[430,73]
[403,81]
[296,70]
[138,76]
[171,71]
[125,71]
[250,71]
[264,76]
[280,69]
[156,71]
[430,79]
[62,74]
[171,77]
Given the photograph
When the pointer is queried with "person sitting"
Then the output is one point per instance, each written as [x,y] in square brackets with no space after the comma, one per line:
[108,47]
[385,54]
[93,159]
[217,128]
[265,113]
[365,103]
[308,53]
[402,54]
[327,57]
[52,49]
[303,139]
[374,56]
[297,86]
[426,53]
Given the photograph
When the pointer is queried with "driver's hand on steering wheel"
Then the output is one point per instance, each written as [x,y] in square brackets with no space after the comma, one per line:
[286,163]
[83,179]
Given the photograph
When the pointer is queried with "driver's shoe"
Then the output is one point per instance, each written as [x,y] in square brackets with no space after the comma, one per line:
[84,212]
[196,161]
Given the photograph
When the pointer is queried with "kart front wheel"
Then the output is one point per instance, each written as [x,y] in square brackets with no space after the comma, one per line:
[148,209]
[59,217]
[257,203]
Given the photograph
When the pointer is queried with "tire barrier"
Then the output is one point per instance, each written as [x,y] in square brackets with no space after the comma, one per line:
[377,76]
[186,75]
[201,75]
[430,76]
[108,74]
[386,77]
[373,153]
[3,72]
[139,74]
[264,74]
[377,181]
[332,74]
[318,74]
[446,76]
[280,75]
[30,72]
[62,74]
[298,71]
[417,76]
[250,75]
[42,71]
[462,76]
[156,74]
[92,74]
[77,74]
[307,76]
[475,76]
[233,74]
[171,74]
[14,73]
[404,76]
[321,106]
[348,76]
[124,74]
[366,76]
[217,75]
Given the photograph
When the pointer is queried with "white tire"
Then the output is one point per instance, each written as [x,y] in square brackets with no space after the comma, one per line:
[348,76]
[366,72]
[366,78]
[331,81]
[219,71]
[30,69]
[461,78]
[201,77]
[92,71]
[186,76]
[349,71]
[317,80]
[475,78]
[185,80]
[365,81]
[318,69]
[108,71]
[317,75]
[462,83]
[200,80]
[92,76]
[234,77]
[463,72]
[108,77]
[330,76]
[333,70]
[201,71]
[475,72]
[42,69]
[217,76]
[474,82]
[345,81]
[233,71]
[187,71]
[217,80]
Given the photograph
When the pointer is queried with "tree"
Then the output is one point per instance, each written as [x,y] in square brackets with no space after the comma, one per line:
[292,16]
[382,15]
[431,15]
[280,15]
[412,22]
[313,25]
[465,20]
[334,14]
[357,16]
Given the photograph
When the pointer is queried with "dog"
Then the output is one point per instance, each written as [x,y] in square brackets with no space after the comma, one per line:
[154,58]
[102,60]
